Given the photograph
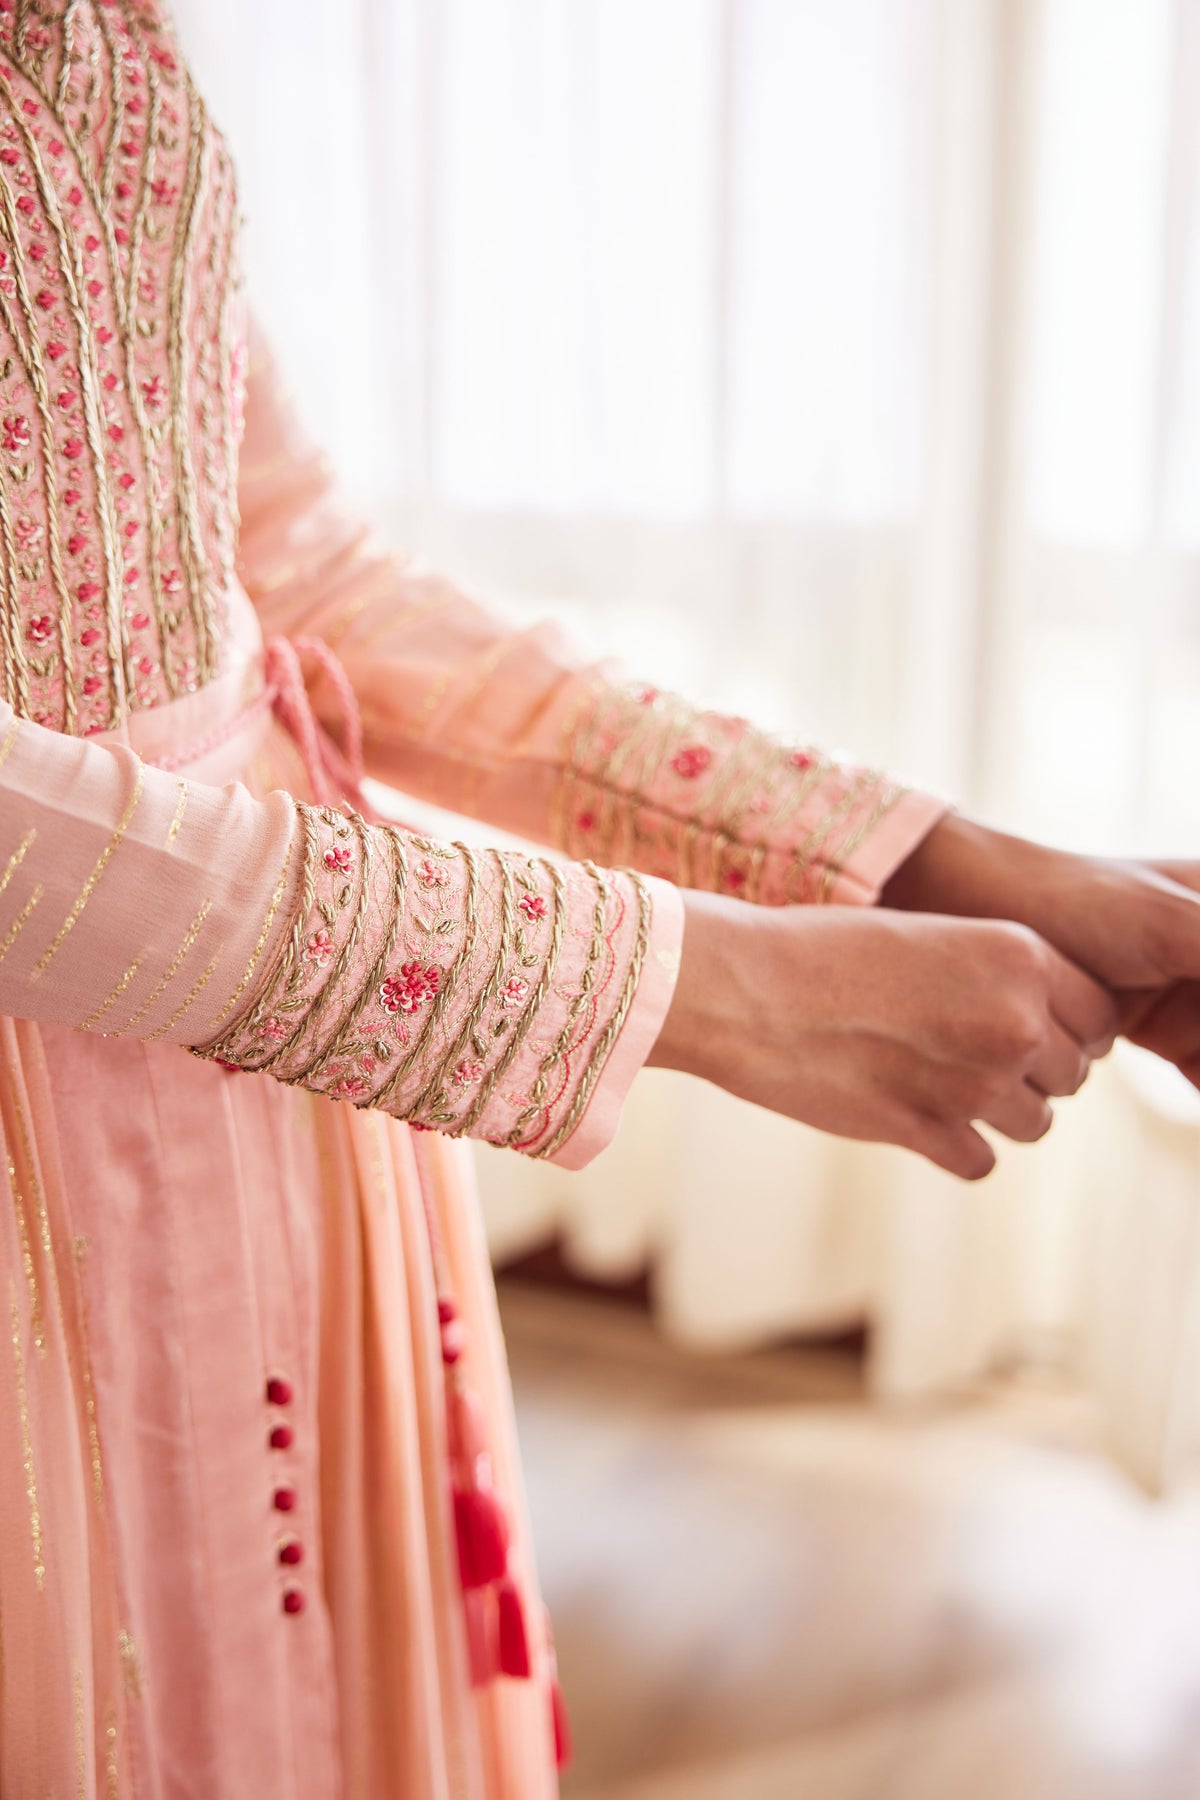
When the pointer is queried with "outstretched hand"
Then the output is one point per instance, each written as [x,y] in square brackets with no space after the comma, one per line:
[1134,926]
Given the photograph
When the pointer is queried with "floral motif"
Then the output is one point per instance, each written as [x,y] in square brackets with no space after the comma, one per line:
[691,760]
[533,906]
[771,822]
[123,347]
[501,1037]
[338,859]
[432,874]
[408,992]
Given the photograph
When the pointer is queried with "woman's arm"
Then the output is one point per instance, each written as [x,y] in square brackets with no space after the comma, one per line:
[474,992]
[501,996]
[513,727]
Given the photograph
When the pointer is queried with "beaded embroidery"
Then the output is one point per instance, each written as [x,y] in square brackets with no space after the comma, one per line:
[414,975]
[710,802]
[121,363]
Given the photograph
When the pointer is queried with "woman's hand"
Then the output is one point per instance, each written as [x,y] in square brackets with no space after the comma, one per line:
[873,1024]
[1133,926]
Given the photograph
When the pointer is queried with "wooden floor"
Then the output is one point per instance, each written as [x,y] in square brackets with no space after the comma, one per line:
[763,1589]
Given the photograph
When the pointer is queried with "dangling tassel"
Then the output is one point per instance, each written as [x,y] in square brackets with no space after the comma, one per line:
[564,1750]
[513,1636]
[481,1528]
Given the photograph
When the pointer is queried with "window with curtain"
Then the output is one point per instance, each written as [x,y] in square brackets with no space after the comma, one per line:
[840,363]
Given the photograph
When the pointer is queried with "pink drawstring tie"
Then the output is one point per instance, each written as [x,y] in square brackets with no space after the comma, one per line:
[335,771]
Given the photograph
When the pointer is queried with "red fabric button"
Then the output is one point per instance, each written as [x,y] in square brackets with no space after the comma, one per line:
[446,1310]
[293,1600]
[291,1552]
[284,1499]
[454,1340]
[281,1437]
[279,1391]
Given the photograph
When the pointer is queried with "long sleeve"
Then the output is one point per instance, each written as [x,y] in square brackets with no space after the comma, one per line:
[476,993]
[514,727]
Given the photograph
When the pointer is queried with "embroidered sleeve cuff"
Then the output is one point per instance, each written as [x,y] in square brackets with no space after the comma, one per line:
[478,993]
[711,802]
[602,1113]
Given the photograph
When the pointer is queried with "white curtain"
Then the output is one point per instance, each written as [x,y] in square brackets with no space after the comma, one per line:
[841,364]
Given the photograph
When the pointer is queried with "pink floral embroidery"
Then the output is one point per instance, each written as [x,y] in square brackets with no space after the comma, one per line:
[468,1073]
[39,631]
[319,948]
[802,759]
[352,1087]
[691,760]
[514,991]
[407,992]
[338,859]
[273,1029]
[533,906]
[16,432]
[433,874]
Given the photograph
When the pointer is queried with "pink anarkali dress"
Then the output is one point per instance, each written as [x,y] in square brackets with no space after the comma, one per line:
[261,1526]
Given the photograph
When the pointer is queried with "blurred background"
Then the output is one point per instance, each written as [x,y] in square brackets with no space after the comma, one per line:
[839,362]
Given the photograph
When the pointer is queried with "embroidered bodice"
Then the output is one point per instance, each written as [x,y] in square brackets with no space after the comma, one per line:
[121,362]
[504,995]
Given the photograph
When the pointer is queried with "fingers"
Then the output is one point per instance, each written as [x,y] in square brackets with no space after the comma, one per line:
[959,1149]
[1059,1065]
[1171,1028]
[1022,1114]
[1083,1007]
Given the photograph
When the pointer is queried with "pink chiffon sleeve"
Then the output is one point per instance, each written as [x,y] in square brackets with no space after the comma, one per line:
[514,727]
[479,993]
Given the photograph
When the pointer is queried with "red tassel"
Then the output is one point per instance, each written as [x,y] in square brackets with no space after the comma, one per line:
[481,1528]
[481,1648]
[514,1638]
[564,1750]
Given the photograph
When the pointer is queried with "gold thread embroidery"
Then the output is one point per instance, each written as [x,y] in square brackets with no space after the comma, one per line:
[89,1390]
[165,980]
[10,738]
[276,897]
[27,1262]
[17,858]
[81,1756]
[27,1462]
[602,1048]
[88,888]
[131,1664]
[192,997]
[22,919]
[93,1018]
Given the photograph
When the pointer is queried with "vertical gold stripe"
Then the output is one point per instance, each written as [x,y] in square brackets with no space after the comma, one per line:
[181,808]
[102,862]
[112,1768]
[81,1757]
[35,1183]
[89,1388]
[27,1464]
[22,919]
[179,293]
[93,1019]
[192,997]
[27,1262]
[276,897]
[17,858]
[164,982]
[10,738]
